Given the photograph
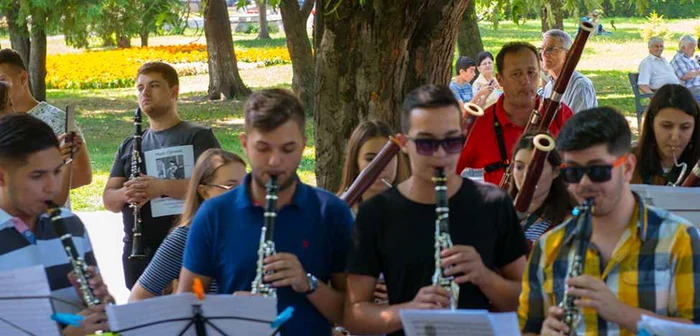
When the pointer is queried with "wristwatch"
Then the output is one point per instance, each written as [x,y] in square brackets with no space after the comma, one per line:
[313,283]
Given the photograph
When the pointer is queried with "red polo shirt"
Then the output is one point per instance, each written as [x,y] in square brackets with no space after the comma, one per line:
[482,148]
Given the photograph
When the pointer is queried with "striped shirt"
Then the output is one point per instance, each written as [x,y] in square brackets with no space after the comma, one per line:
[654,266]
[683,64]
[43,247]
[167,262]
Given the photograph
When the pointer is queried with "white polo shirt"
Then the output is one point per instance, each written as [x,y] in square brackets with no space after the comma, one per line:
[656,72]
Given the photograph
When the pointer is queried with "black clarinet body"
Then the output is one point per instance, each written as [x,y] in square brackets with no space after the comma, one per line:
[79,267]
[137,251]
[266,246]
[443,240]
[580,238]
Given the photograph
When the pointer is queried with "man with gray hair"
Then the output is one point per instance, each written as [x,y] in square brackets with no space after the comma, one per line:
[654,70]
[579,94]
[686,68]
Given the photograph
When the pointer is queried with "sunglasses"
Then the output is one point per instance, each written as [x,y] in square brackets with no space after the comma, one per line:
[428,147]
[596,173]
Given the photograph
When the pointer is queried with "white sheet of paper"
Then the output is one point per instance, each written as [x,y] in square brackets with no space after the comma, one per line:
[446,322]
[250,315]
[659,327]
[505,323]
[169,163]
[32,315]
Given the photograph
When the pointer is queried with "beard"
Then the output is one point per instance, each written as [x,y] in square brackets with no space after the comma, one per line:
[283,184]
[603,202]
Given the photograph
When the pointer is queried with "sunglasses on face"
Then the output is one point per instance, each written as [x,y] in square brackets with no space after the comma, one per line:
[428,147]
[596,173]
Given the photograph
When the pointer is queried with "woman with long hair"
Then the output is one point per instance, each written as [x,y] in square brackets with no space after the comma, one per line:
[366,141]
[216,172]
[670,137]
[551,202]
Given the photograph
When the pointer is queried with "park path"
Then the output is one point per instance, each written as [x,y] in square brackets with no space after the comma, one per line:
[105,229]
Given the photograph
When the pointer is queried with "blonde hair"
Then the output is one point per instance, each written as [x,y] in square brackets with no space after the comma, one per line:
[203,173]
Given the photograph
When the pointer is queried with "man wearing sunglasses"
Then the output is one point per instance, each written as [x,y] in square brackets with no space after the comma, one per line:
[495,133]
[640,260]
[394,231]
[580,93]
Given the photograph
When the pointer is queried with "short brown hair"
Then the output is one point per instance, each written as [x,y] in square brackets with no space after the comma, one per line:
[13,58]
[427,96]
[512,48]
[164,69]
[268,109]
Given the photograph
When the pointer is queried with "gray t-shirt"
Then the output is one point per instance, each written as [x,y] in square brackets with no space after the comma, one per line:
[185,138]
[579,94]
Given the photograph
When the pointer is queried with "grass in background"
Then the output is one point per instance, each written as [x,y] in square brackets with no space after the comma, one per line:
[106,116]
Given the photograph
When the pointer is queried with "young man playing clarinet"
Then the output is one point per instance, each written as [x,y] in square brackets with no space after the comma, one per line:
[395,230]
[638,259]
[311,231]
[30,173]
[167,138]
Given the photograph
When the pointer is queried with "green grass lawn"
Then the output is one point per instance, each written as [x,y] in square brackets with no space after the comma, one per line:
[106,115]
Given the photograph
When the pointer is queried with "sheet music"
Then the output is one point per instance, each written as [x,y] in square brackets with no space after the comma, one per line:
[174,163]
[445,322]
[141,313]
[235,315]
[32,315]
[505,323]
[254,314]
[659,327]
[456,322]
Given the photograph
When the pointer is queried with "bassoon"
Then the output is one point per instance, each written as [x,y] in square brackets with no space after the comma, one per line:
[543,144]
[371,172]
[541,120]
[693,177]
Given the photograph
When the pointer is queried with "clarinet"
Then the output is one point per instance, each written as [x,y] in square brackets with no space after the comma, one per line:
[581,237]
[266,247]
[137,244]
[78,264]
[442,238]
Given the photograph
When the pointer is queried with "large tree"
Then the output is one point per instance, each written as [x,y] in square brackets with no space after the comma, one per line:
[263,33]
[224,78]
[469,37]
[294,20]
[371,55]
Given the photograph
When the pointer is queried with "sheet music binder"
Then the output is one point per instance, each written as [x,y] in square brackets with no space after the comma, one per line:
[184,314]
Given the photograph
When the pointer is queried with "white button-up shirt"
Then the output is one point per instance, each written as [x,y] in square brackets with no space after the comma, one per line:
[656,72]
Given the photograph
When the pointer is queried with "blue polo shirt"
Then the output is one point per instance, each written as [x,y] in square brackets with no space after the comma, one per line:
[316,227]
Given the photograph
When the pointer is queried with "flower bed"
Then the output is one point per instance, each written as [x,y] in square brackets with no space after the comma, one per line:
[117,68]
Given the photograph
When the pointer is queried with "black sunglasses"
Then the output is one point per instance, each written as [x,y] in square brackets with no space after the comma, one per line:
[428,147]
[596,173]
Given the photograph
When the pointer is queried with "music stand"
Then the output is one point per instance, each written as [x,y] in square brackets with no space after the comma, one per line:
[24,295]
[222,314]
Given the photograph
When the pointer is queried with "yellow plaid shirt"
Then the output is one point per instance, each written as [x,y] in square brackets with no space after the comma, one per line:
[655,266]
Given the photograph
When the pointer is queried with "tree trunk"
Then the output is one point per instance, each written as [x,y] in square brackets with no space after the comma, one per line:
[37,56]
[144,37]
[223,70]
[318,25]
[123,41]
[299,46]
[552,10]
[263,34]
[19,33]
[469,38]
[370,57]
